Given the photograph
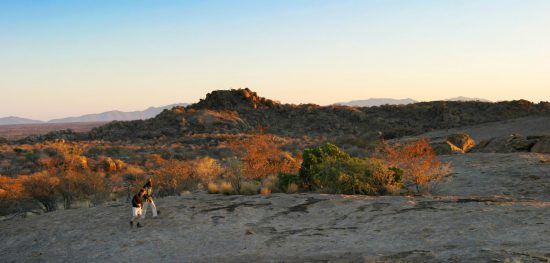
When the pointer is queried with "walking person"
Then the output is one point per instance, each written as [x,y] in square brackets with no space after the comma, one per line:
[137,204]
[149,198]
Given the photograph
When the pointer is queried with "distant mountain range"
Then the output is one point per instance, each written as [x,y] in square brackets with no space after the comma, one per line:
[376,102]
[17,120]
[388,101]
[462,98]
[99,117]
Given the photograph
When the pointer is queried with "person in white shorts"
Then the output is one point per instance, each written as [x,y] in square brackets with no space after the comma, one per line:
[137,204]
[149,198]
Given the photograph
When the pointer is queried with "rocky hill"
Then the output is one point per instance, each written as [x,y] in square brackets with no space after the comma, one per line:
[242,110]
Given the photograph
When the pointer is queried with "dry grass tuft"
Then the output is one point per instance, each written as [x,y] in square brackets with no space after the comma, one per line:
[265,191]
[292,188]
[227,188]
[213,188]
[249,188]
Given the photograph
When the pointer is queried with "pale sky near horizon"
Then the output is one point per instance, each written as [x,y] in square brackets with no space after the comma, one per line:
[68,58]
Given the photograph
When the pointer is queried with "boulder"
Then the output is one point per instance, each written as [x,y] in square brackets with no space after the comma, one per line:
[455,143]
[462,141]
[542,145]
[507,144]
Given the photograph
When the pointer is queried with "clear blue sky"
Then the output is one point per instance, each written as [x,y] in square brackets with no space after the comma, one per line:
[61,58]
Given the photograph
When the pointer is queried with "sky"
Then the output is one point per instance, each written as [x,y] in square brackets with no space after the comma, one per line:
[67,58]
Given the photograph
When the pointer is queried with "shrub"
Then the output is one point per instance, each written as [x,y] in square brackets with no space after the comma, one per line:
[327,169]
[174,177]
[42,187]
[260,156]
[206,169]
[417,164]
[353,176]
[11,194]
[312,158]
[82,186]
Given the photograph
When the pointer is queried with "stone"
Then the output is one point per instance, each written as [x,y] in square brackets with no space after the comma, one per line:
[462,141]
[542,145]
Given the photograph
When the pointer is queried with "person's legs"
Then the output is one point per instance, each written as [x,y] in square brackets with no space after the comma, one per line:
[153,208]
[139,217]
[144,212]
[135,215]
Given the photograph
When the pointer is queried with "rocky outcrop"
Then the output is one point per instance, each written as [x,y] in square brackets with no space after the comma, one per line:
[233,100]
[515,143]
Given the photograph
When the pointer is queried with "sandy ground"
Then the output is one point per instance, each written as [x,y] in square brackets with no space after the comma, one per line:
[493,208]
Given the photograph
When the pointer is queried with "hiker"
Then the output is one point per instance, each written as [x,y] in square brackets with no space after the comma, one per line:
[137,204]
[149,198]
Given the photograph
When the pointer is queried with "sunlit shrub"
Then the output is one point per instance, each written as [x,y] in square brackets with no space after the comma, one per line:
[43,188]
[418,163]
[82,186]
[261,156]
[174,177]
[206,169]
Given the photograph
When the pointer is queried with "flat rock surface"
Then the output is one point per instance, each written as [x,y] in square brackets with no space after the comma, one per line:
[525,126]
[482,213]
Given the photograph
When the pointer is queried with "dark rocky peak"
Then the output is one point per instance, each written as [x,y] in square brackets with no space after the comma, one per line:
[234,99]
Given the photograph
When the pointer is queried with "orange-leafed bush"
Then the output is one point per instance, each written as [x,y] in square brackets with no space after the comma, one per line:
[206,169]
[260,156]
[419,163]
[11,194]
[82,186]
[42,187]
[173,177]
[153,161]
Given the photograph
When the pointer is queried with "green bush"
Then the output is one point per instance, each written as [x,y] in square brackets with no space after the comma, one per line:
[329,170]
[313,158]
